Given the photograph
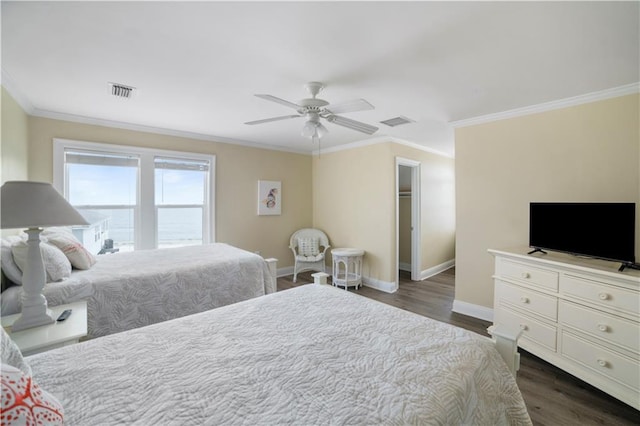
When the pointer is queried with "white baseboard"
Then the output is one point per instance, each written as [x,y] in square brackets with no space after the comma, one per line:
[386,286]
[283,272]
[472,310]
[435,270]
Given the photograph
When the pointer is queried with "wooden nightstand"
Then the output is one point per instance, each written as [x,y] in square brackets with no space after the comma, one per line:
[39,339]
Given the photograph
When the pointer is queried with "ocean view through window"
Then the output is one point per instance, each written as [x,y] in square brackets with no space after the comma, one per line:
[180,194]
[147,198]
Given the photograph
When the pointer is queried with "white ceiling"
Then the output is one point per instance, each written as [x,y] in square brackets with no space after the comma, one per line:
[198,65]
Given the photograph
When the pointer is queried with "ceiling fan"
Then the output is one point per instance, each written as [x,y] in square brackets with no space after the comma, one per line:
[314,109]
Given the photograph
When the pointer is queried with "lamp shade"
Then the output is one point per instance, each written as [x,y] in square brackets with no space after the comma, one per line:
[25,204]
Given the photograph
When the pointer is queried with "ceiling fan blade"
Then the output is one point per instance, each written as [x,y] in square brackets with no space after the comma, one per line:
[266,120]
[352,124]
[279,101]
[350,106]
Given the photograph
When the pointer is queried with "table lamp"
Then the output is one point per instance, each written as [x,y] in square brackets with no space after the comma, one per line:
[34,205]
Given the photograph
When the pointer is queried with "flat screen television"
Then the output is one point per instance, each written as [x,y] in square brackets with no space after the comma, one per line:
[600,230]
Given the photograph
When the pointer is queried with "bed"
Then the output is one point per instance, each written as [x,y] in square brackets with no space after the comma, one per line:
[309,355]
[134,289]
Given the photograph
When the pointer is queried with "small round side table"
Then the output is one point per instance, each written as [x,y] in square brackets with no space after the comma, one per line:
[347,267]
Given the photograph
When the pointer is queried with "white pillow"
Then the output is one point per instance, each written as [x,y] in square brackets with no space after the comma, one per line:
[56,264]
[308,246]
[73,249]
[9,267]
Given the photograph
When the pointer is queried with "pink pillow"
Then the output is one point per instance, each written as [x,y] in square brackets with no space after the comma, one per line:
[24,403]
[77,254]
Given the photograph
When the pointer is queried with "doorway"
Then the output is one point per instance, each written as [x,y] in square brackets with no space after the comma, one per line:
[408,239]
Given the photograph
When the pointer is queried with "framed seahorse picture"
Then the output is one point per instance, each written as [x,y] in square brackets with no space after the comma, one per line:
[269,197]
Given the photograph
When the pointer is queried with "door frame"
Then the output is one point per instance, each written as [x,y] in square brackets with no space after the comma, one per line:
[416,255]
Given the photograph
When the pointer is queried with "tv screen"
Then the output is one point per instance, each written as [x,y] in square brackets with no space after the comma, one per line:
[602,230]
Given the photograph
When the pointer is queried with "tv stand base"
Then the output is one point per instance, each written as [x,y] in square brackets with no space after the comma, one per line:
[537,250]
[629,265]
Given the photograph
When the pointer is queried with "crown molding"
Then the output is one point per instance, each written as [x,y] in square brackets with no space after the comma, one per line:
[615,92]
[378,140]
[421,147]
[157,130]
[27,106]
[29,109]
[358,144]
[16,94]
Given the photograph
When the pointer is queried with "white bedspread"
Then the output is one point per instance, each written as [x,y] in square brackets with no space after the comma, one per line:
[309,355]
[134,289]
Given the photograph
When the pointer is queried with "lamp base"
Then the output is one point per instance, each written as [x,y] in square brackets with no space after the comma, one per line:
[34,303]
[33,318]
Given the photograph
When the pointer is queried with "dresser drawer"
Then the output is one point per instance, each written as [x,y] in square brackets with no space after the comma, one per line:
[524,298]
[615,298]
[601,325]
[532,275]
[601,360]
[532,330]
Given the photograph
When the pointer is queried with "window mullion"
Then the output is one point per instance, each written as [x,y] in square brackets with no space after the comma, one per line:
[146,220]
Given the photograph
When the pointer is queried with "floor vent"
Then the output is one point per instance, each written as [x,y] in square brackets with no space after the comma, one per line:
[121,91]
[397,121]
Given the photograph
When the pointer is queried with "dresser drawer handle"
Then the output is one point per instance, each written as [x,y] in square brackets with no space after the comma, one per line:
[524,299]
[604,296]
[602,362]
[526,275]
[603,327]
[524,327]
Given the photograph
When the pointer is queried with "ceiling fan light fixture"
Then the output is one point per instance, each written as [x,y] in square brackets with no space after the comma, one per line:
[309,129]
[314,130]
[321,130]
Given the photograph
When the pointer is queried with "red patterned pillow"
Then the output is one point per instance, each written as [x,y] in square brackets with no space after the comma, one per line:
[24,403]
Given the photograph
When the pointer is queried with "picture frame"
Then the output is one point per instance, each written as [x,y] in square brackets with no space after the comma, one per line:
[269,197]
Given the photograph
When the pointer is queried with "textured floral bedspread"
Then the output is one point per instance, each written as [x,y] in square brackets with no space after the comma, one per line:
[134,289]
[310,355]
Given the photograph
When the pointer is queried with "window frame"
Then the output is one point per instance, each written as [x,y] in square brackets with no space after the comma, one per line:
[145,222]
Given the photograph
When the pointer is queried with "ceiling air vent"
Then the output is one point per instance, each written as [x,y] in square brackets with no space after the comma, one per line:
[397,121]
[121,91]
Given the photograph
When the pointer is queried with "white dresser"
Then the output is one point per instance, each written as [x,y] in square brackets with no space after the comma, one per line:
[578,314]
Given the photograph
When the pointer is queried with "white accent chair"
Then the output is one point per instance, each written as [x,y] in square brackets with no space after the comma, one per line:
[308,246]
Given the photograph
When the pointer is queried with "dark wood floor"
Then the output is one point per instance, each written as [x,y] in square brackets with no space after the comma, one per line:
[553,397]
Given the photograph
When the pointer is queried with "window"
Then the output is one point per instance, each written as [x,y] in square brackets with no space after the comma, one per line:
[147,198]
[101,184]
[180,195]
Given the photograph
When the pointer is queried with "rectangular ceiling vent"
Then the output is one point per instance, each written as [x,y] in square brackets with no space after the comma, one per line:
[121,91]
[397,121]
